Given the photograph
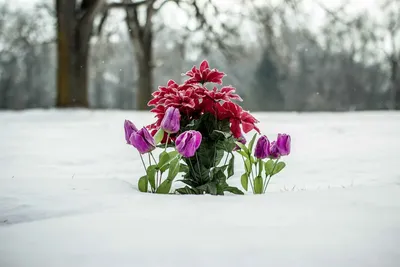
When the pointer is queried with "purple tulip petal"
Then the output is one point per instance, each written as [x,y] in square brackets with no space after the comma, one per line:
[129,128]
[283,144]
[171,121]
[197,137]
[180,142]
[188,142]
[147,136]
[142,141]
[273,151]
[262,148]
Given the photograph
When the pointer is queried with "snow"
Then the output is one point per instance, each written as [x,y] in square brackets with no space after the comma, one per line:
[68,197]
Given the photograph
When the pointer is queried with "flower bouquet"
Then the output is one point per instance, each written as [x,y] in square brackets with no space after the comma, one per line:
[199,131]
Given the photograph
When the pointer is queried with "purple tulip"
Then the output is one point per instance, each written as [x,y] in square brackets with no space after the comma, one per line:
[262,148]
[283,144]
[143,141]
[188,142]
[171,121]
[129,129]
[273,151]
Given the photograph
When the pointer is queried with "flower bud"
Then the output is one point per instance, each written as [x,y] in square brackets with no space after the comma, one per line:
[188,142]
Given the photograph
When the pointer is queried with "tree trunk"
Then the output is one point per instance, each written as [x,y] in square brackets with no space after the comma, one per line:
[72,71]
[145,81]
[141,37]
[395,85]
[74,27]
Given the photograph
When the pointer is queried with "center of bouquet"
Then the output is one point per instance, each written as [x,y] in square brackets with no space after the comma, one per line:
[204,127]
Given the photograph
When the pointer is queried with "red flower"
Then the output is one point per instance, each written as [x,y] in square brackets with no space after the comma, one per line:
[237,117]
[193,99]
[248,122]
[173,95]
[225,94]
[160,111]
[204,74]
[159,96]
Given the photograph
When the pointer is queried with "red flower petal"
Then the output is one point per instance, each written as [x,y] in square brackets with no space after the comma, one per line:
[204,65]
[235,128]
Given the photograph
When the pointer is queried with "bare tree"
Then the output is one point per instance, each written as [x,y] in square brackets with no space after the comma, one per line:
[22,41]
[140,20]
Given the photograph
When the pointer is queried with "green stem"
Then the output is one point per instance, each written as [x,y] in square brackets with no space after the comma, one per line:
[252,171]
[155,162]
[191,165]
[144,165]
[215,155]
[198,164]
[269,178]
[226,159]
[166,142]
[251,184]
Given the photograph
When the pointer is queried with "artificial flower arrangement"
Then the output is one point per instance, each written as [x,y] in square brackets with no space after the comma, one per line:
[199,132]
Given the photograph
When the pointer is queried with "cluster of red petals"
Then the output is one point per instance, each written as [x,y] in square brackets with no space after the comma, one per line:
[204,74]
[193,99]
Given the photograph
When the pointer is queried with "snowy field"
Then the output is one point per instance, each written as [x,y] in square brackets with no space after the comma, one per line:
[68,197]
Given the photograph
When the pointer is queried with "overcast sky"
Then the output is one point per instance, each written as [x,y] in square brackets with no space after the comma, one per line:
[311,7]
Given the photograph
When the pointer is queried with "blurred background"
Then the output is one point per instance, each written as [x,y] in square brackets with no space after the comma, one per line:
[281,55]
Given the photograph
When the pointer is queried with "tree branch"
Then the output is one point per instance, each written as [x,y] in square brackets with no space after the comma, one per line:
[103,20]
[89,8]
[127,4]
[147,29]
[164,2]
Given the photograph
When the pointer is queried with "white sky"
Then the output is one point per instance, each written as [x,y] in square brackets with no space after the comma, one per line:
[315,19]
[311,5]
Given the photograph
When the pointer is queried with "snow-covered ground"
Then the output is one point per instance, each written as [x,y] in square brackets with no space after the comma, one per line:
[68,197]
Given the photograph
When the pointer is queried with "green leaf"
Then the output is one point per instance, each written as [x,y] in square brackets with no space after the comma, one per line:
[188,182]
[245,181]
[269,165]
[208,154]
[164,168]
[188,191]
[173,169]
[230,145]
[173,154]
[258,185]
[143,184]
[253,159]
[251,143]
[219,177]
[279,167]
[166,158]
[159,136]
[231,166]
[151,176]
[163,159]
[242,147]
[244,154]
[164,187]
[234,190]
[260,166]
[247,165]
[216,134]
[219,169]
[209,188]
[183,168]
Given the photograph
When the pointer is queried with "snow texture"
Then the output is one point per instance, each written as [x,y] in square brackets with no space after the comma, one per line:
[68,197]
